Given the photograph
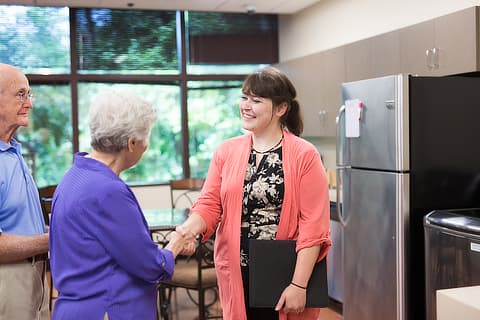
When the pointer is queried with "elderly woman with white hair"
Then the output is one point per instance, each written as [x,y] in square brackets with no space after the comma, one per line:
[103,261]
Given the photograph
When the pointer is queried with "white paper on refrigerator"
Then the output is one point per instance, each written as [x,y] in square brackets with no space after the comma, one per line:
[353,113]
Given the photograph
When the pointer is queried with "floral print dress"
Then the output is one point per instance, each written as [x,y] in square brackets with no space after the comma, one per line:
[262,199]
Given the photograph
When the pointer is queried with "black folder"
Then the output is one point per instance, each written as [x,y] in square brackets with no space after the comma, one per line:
[272,263]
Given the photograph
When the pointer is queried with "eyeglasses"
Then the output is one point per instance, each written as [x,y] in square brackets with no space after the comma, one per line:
[22,96]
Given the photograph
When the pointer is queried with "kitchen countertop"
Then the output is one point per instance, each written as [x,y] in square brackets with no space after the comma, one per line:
[458,303]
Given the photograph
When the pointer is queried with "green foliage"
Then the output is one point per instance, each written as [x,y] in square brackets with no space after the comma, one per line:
[126,40]
[49,133]
[204,23]
[37,40]
[213,117]
[163,160]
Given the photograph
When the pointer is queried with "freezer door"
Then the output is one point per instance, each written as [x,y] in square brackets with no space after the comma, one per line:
[383,140]
[374,244]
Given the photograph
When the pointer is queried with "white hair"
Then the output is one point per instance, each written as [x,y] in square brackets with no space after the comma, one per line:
[114,117]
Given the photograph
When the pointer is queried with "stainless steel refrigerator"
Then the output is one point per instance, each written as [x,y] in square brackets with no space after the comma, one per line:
[406,145]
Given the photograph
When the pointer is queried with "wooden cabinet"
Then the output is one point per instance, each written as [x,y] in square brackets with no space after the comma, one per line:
[442,46]
[446,45]
[358,60]
[385,54]
[457,41]
[317,79]
[414,41]
[334,76]
[306,75]
[373,57]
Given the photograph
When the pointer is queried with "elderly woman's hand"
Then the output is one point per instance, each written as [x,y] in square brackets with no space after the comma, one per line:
[183,244]
[191,241]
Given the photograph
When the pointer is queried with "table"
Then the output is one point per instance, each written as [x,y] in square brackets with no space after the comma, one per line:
[163,221]
[164,218]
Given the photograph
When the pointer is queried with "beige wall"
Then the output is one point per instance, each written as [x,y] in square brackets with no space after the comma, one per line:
[332,23]
[153,197]
[158,197]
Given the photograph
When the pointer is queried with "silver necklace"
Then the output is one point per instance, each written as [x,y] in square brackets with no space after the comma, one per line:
[269,150]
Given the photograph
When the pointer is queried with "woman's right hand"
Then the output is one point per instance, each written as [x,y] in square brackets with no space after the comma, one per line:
[183,244]
[190,246]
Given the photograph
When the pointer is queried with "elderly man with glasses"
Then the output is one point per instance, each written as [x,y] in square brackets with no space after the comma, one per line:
[23,236]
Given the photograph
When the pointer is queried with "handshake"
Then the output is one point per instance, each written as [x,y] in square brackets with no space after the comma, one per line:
[182,242]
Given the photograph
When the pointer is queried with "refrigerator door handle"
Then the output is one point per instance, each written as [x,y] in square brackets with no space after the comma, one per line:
[339,155]
[339,206]
[340,166]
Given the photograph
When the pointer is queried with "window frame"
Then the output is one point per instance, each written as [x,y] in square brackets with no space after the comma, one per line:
[74,78]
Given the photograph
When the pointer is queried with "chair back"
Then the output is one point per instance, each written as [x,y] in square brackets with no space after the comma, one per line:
[194,274]
[183,192]
[46,199]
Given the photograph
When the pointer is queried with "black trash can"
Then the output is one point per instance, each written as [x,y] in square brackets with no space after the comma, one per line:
[452,252]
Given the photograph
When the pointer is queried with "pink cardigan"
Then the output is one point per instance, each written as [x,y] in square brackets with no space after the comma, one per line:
[304,217]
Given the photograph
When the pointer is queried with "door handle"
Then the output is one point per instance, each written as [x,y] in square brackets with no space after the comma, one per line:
[339,199]
[339,154]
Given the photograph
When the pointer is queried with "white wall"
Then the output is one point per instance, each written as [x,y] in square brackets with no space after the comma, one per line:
[153,197]
[332,23]
[158,197]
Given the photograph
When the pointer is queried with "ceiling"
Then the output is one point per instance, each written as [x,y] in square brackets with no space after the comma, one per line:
[252,6]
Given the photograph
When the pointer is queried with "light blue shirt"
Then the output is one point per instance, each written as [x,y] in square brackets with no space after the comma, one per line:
[20,210]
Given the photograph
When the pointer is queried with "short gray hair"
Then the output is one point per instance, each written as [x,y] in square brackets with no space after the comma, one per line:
[114,117]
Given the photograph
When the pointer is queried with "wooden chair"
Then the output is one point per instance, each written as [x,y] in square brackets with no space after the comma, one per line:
[46,198]
[194,274]
[183,192]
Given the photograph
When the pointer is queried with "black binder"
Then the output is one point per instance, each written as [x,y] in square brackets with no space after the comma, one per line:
[272,263]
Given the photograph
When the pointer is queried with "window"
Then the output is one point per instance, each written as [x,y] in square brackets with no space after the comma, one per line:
[37,40]
[213,115]
[230,42]
[194,83]
[126,41]
[48,138]
[163,159]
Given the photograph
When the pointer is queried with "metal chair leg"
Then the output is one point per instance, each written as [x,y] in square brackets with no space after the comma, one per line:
[201,305]
[164,302]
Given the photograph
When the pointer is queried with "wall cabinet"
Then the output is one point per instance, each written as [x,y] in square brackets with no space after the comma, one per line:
[306,74]
[414,41]
[317,79]
[385,54]
[446,45]
[457,38]
[334,74]
[358,60]
[442,46]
